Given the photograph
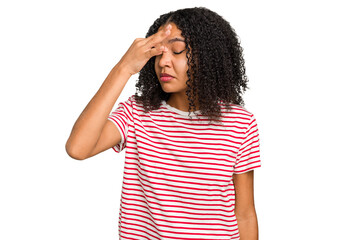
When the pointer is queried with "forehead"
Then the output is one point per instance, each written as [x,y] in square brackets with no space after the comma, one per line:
[175,35]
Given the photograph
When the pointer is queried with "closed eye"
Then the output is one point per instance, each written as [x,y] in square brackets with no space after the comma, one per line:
[179,52]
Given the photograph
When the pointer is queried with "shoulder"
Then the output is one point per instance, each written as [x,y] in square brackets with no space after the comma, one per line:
[136,104]
[131,101]
[237,110]
[132,98]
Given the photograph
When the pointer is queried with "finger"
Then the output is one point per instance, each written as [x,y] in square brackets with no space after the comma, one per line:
[156,51]
[159,36]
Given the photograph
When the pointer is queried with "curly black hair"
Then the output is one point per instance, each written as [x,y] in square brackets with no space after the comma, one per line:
[216,65]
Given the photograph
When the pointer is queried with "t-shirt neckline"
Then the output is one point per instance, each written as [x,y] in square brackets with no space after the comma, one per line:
[178,110]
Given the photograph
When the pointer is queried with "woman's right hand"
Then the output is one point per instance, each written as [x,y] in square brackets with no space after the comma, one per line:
[142,49]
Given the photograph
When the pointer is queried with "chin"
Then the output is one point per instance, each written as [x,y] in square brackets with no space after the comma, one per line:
[168,90]
[172,90]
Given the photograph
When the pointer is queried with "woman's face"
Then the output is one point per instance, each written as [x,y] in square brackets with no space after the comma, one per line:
[172,62]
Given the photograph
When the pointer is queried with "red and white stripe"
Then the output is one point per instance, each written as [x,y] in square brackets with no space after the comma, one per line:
[177,181]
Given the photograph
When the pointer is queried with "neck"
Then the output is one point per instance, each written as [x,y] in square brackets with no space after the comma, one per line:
[181,102]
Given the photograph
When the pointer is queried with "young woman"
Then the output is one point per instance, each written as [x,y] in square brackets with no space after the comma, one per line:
[191,146]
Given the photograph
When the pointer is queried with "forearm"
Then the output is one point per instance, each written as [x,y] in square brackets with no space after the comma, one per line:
[88,127]
[248,227]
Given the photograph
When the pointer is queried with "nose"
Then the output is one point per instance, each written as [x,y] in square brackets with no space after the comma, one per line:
[165,58]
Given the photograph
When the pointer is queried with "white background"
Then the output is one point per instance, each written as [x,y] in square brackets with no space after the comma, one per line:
[302,61]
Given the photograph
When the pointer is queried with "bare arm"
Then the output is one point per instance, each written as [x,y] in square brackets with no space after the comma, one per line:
[88,127]
[244,205]
[92,132]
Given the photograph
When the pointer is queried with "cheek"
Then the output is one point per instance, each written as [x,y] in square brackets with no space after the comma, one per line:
[156,65]
[183,67]
[181,64]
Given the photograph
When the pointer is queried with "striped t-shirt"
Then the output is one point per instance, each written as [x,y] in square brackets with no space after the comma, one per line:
[177,181]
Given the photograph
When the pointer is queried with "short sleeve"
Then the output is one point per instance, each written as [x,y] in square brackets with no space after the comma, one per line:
[248,156]
[122,117]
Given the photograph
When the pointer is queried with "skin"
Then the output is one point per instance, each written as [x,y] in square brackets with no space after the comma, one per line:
[244,205]
[92,132]
[176,65]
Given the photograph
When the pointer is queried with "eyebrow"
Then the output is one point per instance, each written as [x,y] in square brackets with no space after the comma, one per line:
[176,40]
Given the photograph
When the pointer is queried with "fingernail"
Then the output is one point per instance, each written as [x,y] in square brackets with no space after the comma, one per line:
[168,26]
[162,48]
[167,32]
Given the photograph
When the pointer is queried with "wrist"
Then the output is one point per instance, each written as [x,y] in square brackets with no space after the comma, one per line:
[122,69]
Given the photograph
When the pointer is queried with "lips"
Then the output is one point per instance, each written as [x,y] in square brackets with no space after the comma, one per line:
[165,75]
